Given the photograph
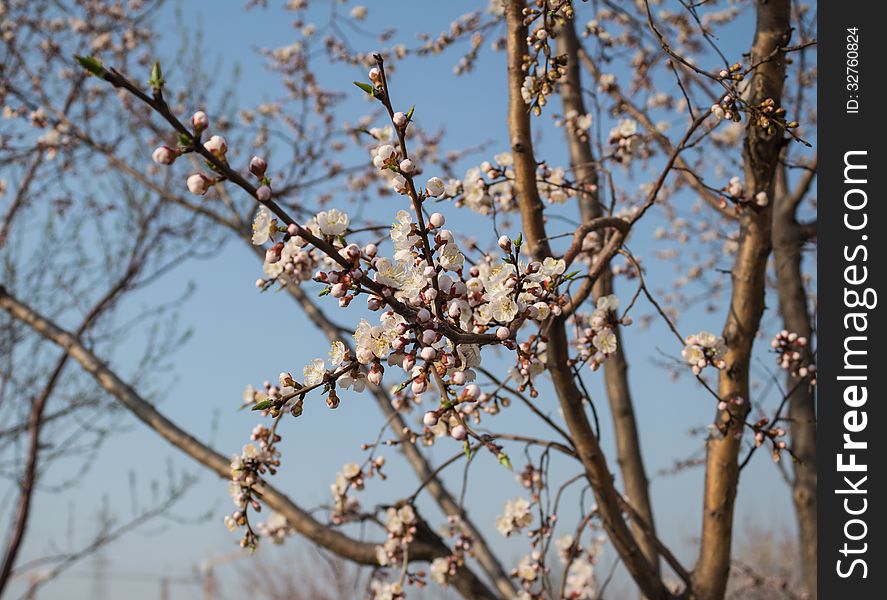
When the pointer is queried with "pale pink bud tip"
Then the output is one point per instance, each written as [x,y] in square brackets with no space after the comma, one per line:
[436,220]
[435,187]
[164,155]
[263,194]
[199,121]
[198,184]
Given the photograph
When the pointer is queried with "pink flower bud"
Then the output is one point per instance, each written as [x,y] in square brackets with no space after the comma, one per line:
[198,184]
[164,155]
[423,315]
[458,432]
[257,166]
[502,333]
[428,353]
[436,220]
[459,377]
[272,255]
[407,166]
[371,250]
[399,119]
[472,391]
[199,121]
[263,194]
[435,187]
[217,146]
[430,418]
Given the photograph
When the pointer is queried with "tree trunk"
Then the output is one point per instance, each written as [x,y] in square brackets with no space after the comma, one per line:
[569,396]
[760,157]
[788,239]
[628,445]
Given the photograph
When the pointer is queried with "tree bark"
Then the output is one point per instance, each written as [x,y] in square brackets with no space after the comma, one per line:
[569,396]
[788,240]
[760,156]
[628,445]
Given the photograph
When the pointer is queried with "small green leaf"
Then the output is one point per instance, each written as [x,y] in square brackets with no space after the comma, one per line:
[91,64]
[324,292]
[366,87]
[504,460]
[409,115]
[263,405]
[466,448]
[156,82]
[570,275]
[520,240]
[184,140]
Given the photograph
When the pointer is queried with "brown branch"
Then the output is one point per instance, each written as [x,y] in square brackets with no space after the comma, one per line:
[628,446]
[425,548]
[569,396]
[788,238]
[760,157]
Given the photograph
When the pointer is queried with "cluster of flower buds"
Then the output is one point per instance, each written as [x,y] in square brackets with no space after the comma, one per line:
[540,83]
[401,525]
[577,125]
[443,568]
[626,140]
[247,471]
[704,349]
[768,115]
[735,191]
[792,354]
[734,73]
[530,360]
[727,108]
[490,185]
[531,478]
[580,583]
[765,431]
[351,476]
[276,529]
[594,29]
[385,590]
[598,337]
[528,572]
[517,515]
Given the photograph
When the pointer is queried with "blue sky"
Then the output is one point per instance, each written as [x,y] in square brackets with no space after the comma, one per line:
[229,348]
